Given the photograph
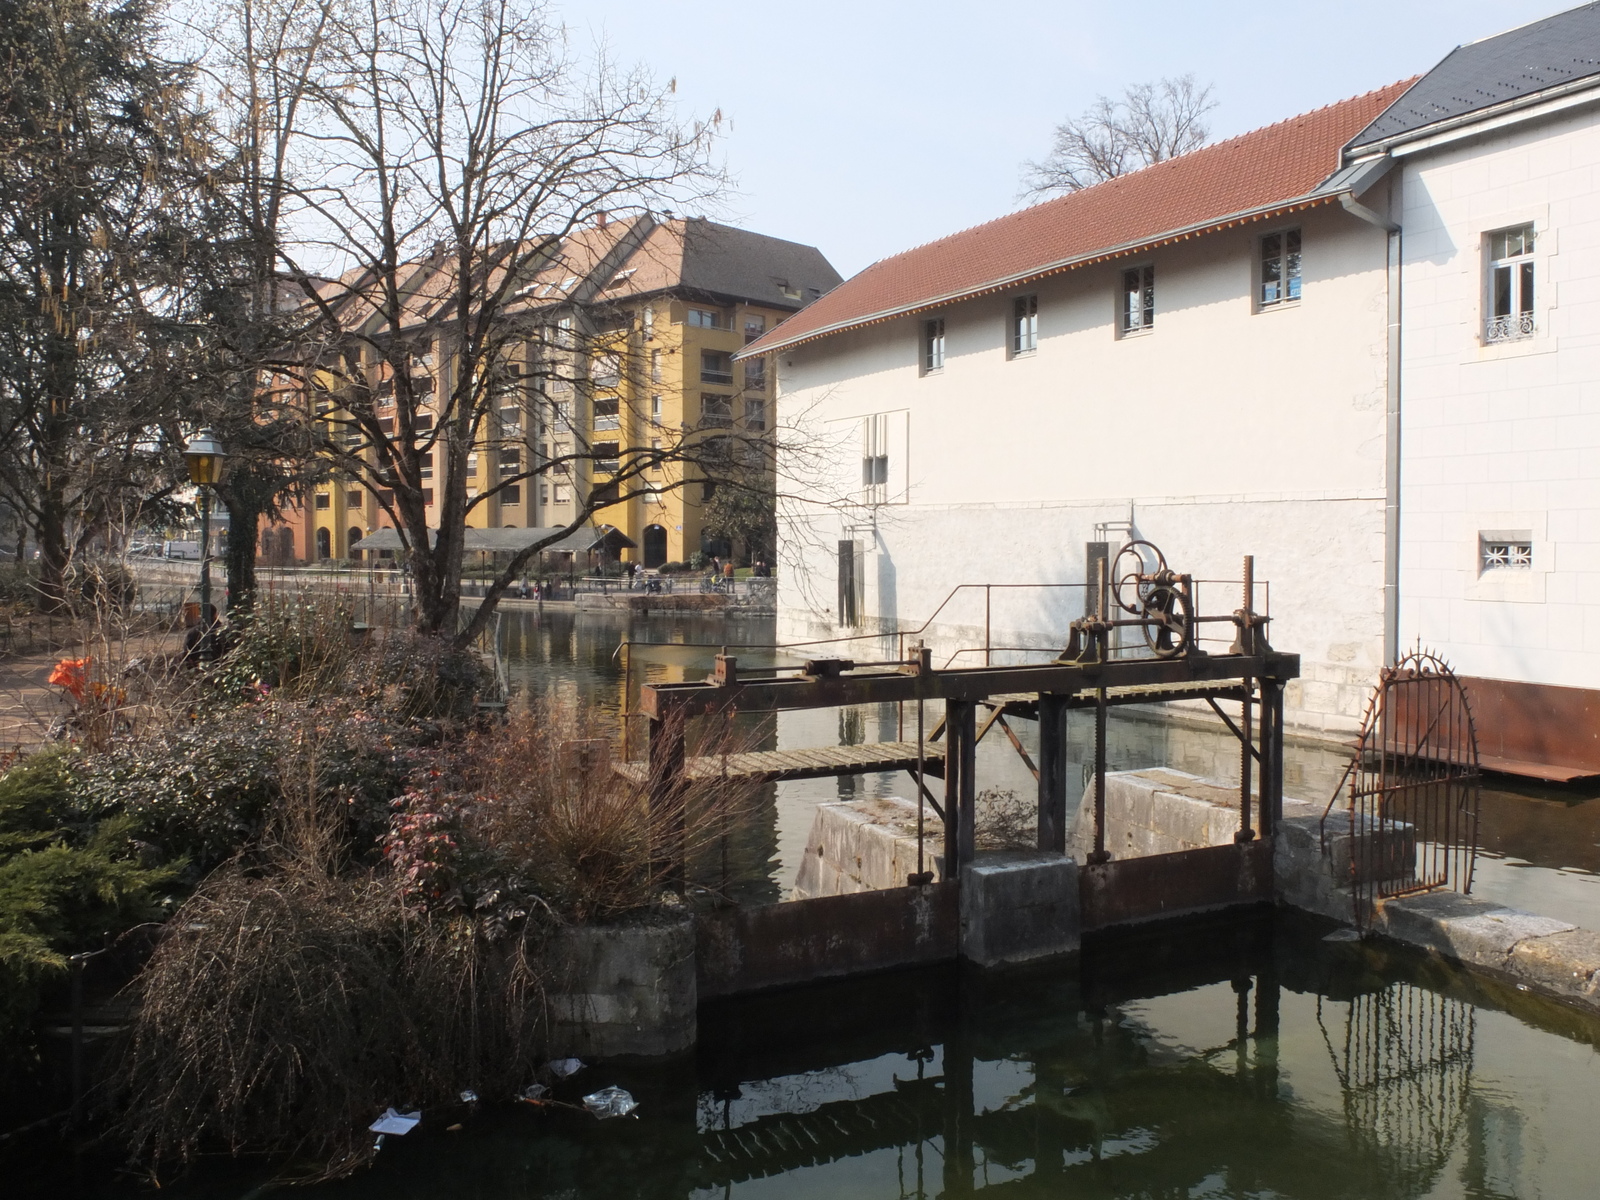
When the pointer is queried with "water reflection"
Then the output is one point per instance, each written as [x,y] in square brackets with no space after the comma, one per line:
[1216,1059]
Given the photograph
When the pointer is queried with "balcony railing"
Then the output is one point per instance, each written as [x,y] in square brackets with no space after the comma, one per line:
[611,421]
[725,377]
[1509,328]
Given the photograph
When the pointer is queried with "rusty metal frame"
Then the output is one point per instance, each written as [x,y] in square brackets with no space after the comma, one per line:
[1087,673]
[1412,787]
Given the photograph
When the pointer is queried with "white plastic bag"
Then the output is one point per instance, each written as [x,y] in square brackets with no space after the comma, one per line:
[610,1102]
[396,1122]
[563,1067]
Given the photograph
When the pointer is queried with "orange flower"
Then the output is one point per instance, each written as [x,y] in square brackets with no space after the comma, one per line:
[71,674]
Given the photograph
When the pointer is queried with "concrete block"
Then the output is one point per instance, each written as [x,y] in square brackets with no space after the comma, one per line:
[625,989]
[866,845]
[1019,906]
[1464,928]
[1565,963]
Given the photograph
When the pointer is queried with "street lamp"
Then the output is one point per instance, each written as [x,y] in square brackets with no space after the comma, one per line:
[208,463]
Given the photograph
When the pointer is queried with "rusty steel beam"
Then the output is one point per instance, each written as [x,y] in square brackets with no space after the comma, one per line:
[968,684]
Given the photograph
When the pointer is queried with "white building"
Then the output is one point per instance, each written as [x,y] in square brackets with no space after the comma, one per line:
[1197,354]
[1496,157]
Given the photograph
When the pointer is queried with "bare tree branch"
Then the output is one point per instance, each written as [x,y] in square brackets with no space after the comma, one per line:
[1151,123]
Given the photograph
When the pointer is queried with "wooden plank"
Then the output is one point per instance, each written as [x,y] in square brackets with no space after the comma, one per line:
[802,763]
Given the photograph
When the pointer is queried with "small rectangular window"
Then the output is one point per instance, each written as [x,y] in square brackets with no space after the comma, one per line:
[510,461]
[1510,285]
[1138,299]
[705,318]
[754,326]
[655,409]
[755,412]
[511,494]
[607,414]
[1502,550]
[1025,325]
[422,422]
[427,495]
[324,500]
[354,499]
[563,493]
[425,466]
[755,374]
[933,344]
[1280,268]
[716,410]
[655,366]
[605,456]
[715,367]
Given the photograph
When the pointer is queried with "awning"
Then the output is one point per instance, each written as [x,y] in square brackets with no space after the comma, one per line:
[490,541]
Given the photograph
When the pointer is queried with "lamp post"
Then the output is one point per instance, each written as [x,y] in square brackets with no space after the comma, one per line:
[208,463]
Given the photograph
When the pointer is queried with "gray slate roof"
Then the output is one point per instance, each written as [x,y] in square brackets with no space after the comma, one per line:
[736,262]
[1507,67]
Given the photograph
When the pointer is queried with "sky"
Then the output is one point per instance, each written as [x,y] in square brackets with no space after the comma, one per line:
[867,128]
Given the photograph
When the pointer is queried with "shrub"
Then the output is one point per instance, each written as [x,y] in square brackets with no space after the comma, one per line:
[66,885]
[673,568]
[207,790]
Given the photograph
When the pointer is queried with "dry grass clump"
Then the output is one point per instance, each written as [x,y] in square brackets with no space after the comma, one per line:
[533,809]
[278,1014]
[1006,821]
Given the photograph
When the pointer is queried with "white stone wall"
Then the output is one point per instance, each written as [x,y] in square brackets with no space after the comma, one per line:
[1223,431]
[1503,438]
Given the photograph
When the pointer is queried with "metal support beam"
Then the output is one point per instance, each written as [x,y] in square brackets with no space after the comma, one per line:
[1052,774]
[959,786]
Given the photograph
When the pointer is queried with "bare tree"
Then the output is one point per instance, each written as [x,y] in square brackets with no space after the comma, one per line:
[445,157]
[1151,123]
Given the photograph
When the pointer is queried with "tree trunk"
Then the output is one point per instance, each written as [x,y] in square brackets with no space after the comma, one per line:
[51,537]
[243,522]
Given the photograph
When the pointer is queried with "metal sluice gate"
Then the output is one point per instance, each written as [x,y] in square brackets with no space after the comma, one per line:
[1140,643]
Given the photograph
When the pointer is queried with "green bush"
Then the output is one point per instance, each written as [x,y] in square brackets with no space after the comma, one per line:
[66,885]
[673,568]
[206,791]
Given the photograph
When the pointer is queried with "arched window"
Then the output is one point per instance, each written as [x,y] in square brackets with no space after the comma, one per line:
[324,543]
[286,545]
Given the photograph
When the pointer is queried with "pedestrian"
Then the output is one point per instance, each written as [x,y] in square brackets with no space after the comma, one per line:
[727,571]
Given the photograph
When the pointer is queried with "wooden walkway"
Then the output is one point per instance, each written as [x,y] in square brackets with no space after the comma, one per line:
[824,761]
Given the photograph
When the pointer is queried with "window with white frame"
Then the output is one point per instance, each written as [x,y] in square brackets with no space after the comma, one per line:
[1138,299]
[1510,285]
[1505,550]
[933,344]
[875,458]
[1025,325]
[1280,268]
[705,318]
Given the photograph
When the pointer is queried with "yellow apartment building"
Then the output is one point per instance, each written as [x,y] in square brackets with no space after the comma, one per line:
[631,328]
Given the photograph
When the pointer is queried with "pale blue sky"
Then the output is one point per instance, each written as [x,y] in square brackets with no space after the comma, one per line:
[866,128]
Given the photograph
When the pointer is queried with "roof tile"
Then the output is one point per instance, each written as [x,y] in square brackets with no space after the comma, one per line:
[1271,166]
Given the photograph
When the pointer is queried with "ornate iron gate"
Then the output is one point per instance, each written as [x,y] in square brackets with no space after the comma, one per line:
[1412,787]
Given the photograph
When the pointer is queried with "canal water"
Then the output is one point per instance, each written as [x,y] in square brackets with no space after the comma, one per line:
[1245,1058]
[1540,845]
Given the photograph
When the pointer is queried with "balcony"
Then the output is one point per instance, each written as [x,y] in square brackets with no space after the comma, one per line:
[1511,328]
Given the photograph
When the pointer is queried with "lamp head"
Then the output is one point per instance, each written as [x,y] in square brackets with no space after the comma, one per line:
[208,463]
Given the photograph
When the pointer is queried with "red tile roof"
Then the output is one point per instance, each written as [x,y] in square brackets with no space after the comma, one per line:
[1249,177]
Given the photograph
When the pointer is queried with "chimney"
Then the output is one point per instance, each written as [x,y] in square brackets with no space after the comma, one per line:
[601,219]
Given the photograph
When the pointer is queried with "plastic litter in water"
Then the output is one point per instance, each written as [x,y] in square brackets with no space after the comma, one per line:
[610,1102]
[1343,935]
[396,1122]
[469,1097]
[533,1093]
[563,1067]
